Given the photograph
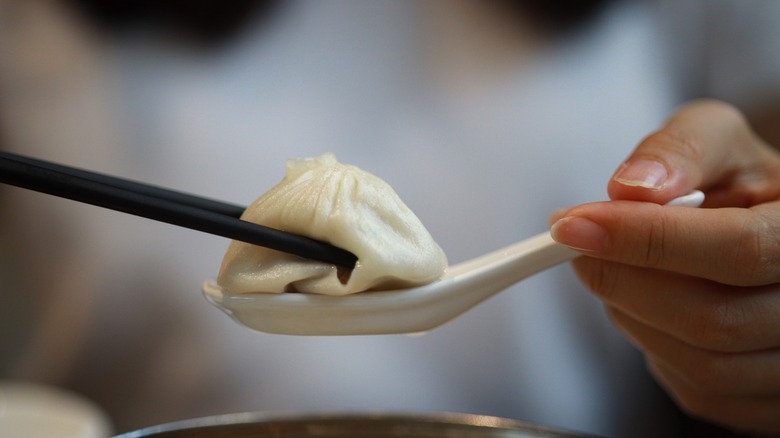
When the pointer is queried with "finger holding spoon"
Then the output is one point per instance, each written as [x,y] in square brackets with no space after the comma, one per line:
[697,290]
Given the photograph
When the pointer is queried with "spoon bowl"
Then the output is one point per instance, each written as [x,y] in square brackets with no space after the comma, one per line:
[412,310]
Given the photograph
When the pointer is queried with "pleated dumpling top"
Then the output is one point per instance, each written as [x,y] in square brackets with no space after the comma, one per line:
[348,208]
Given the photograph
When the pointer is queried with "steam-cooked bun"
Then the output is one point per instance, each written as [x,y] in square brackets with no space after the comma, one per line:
[347,207]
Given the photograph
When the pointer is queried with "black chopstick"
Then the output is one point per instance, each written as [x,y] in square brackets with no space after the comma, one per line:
[133,186]
[160,204]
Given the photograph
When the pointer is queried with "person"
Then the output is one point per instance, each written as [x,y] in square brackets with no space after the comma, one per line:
[695,289]
[481,121]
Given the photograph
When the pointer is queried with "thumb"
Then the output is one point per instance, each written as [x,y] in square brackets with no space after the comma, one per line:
[706,144]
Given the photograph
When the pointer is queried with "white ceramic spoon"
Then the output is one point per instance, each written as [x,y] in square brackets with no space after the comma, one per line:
[412,310]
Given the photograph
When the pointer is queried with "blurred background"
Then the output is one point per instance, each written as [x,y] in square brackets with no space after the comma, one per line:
[485,116]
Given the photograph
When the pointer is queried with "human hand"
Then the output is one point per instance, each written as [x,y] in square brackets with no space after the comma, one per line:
[697,290]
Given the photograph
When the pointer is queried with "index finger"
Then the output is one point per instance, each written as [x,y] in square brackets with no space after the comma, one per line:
[734,246]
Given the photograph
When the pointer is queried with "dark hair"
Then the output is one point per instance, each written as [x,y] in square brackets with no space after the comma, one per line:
[561,16]
[216,21]
[203,21]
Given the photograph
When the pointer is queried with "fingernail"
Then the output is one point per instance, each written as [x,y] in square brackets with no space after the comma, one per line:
[555,215]
[579,233]
[642,173]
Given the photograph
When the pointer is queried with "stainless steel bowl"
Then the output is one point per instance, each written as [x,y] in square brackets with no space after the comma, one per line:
[348,425]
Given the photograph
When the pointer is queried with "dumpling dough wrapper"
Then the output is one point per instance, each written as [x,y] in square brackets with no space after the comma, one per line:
[347,207]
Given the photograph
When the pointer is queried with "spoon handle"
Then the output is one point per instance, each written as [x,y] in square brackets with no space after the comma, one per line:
[502,268]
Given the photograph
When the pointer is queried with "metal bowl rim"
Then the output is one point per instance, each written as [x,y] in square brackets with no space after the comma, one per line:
[443,418]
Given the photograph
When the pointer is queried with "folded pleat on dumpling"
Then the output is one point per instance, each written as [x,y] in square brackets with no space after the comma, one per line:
[348,208]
